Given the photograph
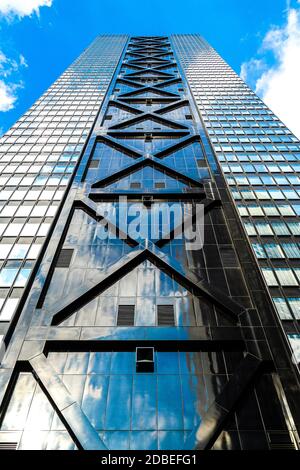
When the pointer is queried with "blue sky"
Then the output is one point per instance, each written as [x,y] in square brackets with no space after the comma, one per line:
[40,38]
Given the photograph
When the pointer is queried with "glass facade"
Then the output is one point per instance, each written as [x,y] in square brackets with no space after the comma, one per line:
[130,339]
[260,159]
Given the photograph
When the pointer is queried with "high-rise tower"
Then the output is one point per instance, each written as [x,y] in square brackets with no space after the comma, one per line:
[126,339]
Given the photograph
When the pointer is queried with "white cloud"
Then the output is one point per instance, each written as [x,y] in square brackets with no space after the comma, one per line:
[7,96]
[278,85]
[8,86]
[22,8]
[251,70]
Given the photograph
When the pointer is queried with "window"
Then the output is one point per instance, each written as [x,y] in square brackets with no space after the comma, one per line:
[19,251]
[250,228]
[2,228]
[294,304]
[7,276]
[269,277]
[34,251]
[296,208]
[290,194]
[22,277]
[242,210]
[267,180]
[201,163]
[276,194]
[269,209]
[160,185]
[8,309]
[294,179]
[241,180]
[255,210]
[144,359]
[280,180]
[43,230]
[135,185]
[8,211]
[39,211]
[13,230]
[165,315]
[254,180]
[297,272]
[261,194]
[23,211]
[273,250]
[94,164]
[5,445]
[247,195]
[4,250]
[286,277]
[286,210]
[235,194]
[295,343]
[125,315]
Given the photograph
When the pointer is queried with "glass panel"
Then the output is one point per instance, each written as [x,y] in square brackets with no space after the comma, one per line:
[273,250]
[294,304]
[291,250]
[144,402]
[282,308]
[295,343]
[7,277]
[9,309]
[286,277]
[169,402]
[269,277]
[120,390]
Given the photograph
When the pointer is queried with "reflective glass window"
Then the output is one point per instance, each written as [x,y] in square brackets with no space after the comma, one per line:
[286,277]
[269,277]
[273,250]
[282,308]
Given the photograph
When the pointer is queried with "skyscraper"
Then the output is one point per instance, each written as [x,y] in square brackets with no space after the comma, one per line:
[119,338]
